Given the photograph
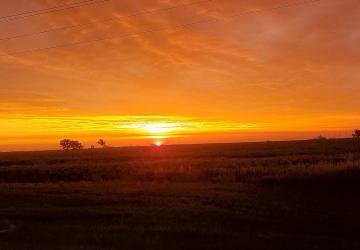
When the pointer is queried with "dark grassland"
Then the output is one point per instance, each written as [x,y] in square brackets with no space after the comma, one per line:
[271,195]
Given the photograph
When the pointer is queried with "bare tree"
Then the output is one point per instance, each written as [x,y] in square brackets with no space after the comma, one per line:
[102,143]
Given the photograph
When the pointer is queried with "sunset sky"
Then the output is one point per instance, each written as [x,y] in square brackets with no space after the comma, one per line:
[187,71]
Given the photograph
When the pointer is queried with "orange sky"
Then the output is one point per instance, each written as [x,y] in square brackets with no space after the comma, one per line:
[218,78]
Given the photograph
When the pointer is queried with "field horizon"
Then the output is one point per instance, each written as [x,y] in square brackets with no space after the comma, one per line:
[189,144]
[269,195]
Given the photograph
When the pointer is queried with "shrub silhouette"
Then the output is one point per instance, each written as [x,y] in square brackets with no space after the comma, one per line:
[356,134]
[102,143]
[321,138]
[67,144]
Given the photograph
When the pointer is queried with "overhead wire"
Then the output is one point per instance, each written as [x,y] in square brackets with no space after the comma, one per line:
[153,30]
[56,8]
[105,20]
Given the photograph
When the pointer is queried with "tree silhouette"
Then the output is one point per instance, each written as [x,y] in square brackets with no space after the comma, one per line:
[356,134]
[67,144]
[102,143]
[76,145]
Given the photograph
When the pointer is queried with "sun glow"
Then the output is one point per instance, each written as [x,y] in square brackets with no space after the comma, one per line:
[158,144]
[159,128]
[155,129]
[121,130]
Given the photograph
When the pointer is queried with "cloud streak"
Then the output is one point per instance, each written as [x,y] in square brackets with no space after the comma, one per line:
[282,67]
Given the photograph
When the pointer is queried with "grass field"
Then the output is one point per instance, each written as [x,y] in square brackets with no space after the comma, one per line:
[271,195]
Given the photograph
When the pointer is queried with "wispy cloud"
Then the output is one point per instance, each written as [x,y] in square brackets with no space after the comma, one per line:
[280,67]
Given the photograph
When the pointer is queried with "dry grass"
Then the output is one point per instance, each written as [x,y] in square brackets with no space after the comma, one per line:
[221,163]
[276,195]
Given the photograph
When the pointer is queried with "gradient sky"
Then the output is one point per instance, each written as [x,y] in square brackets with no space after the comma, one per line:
[191,71]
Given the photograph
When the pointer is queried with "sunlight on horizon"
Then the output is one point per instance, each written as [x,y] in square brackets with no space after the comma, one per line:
[148,78]
[154,128]
[146,130]
[131,125]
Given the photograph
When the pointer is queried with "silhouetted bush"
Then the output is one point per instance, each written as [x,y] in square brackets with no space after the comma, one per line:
[102,143]
[321,138]
[356,134]
[67,144]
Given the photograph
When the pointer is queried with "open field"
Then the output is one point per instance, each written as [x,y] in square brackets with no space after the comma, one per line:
[271,195]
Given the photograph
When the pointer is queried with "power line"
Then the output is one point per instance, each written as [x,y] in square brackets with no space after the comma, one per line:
[93,23]
[32,11]
[153,30]
[56,8]
[148,31]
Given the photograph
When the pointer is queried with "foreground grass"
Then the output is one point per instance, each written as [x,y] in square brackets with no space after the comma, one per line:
[297,195]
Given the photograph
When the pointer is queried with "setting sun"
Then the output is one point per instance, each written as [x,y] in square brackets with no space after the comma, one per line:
[244,79]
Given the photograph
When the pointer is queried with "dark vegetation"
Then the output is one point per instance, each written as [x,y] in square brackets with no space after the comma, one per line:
[102,143]
[67,144]
[271,195]
[356,134]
